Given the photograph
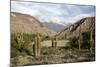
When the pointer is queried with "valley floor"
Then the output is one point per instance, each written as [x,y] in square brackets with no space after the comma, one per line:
[63,55]
[57,55]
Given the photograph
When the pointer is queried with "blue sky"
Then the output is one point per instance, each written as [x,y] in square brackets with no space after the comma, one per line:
[49,12]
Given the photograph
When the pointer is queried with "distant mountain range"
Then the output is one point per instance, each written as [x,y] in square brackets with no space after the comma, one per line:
[54,26]
[28,24]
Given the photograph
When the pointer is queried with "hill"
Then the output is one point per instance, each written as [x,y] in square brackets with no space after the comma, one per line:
[28,24]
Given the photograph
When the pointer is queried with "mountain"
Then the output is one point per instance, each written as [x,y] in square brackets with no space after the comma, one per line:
[85,24]
[54,26]
[28,24]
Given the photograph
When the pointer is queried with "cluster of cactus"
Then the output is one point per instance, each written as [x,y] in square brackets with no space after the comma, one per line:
[54,42]
[19,39]
[37,46]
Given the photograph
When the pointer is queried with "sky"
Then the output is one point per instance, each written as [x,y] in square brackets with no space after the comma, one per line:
[53,12]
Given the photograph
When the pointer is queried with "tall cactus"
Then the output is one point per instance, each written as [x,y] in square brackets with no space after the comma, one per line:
[91,41]
[80,38]
[65,36]
[54,42]
[19,39]
[37,46]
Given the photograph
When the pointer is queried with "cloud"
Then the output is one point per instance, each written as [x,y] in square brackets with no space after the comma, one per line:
[78,17]
[23,7]
[46,12]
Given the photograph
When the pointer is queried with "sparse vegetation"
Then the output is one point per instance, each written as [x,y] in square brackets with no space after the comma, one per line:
[85,42]
[30,54]
[73,42]
[41,48]
[37,46]
[22,44]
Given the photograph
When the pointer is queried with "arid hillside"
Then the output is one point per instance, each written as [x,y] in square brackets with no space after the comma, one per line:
[28,24]
[83,25]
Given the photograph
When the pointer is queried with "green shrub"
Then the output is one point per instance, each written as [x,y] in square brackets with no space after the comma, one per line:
[86,40]
[73,42]
[46,38]
[24,43]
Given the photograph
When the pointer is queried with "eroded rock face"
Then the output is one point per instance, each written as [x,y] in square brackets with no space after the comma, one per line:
[85,24]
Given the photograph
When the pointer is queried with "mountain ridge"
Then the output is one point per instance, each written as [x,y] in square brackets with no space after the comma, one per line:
[87,24]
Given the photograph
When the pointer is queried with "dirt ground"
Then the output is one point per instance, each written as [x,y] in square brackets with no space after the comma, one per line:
[57,55]
[63,55]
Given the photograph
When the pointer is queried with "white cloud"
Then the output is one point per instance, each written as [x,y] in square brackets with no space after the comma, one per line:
[78,17]
[56,20]
[47,12]
[18,7]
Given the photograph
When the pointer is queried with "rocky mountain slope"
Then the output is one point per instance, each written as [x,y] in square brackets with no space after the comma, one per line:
[85,24]
[28,24]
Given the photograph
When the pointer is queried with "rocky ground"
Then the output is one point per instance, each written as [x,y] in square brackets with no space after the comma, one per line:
[56,56]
